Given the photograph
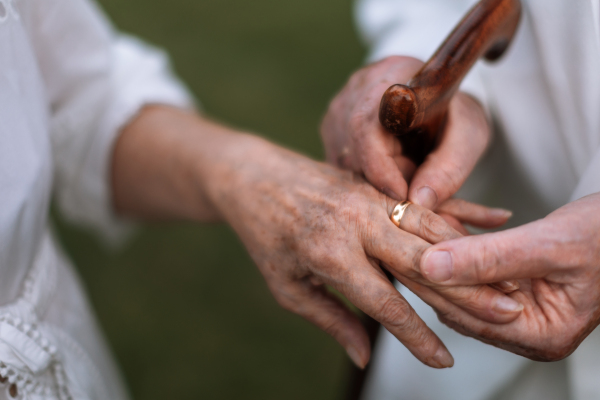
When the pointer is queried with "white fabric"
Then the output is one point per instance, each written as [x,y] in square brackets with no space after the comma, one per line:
[544,97]
[68,84]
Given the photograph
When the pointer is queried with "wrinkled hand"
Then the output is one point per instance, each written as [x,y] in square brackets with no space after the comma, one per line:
[556,259]
[354,138]
[306,224]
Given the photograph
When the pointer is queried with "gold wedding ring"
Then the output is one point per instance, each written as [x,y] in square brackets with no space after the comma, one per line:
[399,211]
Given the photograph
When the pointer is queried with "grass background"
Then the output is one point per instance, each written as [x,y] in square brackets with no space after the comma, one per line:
[184,308]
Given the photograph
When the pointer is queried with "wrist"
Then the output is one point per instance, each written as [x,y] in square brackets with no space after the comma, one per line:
[230,169]
[170,164]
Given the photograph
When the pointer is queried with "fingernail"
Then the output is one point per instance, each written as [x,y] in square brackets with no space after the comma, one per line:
[507,305]
[501,213]
[508,286]
[443,358]
[437,266]
[426,197]
[391,194]
[355,357]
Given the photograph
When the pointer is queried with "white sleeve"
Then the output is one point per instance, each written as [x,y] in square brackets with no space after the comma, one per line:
[590,180]
[413,28]
[96,81]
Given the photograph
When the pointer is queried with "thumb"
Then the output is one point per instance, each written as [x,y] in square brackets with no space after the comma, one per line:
[465,138]
[518,253]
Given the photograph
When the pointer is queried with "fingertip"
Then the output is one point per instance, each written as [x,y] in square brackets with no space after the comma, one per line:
[497,218]
[426,197]
[437,266]
[383,173]
[501,213]
[507,305]
[502,307]
[391,194]
[442,359]
[391,182]
[502,318]
[474,214]
[507,287]
[358,357]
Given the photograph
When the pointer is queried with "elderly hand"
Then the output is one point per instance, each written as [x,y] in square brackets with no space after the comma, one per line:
[354,138]
[557,260]
[304,223]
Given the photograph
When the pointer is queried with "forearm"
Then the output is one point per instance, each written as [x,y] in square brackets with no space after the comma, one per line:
[170,164]
[303,222]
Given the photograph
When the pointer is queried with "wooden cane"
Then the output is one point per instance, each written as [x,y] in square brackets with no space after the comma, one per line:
[416,112]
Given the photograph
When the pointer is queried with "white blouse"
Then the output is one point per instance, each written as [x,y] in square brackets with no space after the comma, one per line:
[544,98]
[68,83]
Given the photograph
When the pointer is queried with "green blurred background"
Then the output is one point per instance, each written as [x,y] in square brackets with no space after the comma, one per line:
[184,308]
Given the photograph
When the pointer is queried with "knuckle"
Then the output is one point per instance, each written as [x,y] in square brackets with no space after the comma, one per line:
[568,247]
[358,213]
[327,266]
[286,302]
[475,295]
[478,300]
[350,207]
[422,338]
[357,78]
[376,75]
[356,123]
[415,272]
[386,63]
[396,312]
[432,226]
[336,107]
[330,328]
[485,262]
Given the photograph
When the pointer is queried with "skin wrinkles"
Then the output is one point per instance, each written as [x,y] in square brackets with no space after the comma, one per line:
[354,138]
[305,224]
[358,220]
[359,116]
[487,334]
[556,262]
